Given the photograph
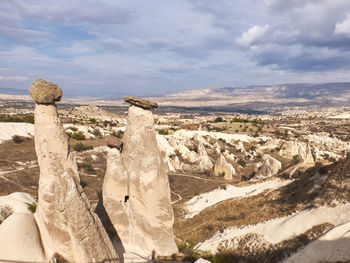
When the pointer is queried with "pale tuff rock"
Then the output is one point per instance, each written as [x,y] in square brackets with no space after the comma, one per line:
[45,92]
[187,154]
[177,164]
[333,246]
[142,103]
[205,162]
[223,168]
[167,150]
[289,149]
[18,230]
[136,193]
[67,225]
[270,167]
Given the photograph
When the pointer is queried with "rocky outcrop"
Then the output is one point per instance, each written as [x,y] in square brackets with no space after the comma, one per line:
[18,230]
[136,193]
[269,167]
[142,103]
[302,150]
[205,162]
[223,168]
[114,142]
[67,225]
[45,92]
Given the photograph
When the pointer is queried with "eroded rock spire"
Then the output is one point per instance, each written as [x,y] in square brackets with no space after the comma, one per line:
[136,193]
[67,225]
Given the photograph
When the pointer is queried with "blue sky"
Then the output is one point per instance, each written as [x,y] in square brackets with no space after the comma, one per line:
[113,47]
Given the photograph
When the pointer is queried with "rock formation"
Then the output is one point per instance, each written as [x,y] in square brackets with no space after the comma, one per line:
[142,103]
[67,225]
[45,92]
[269,167]
[223,168]
[136,193]
[205,163]
[18,230]
[289,149]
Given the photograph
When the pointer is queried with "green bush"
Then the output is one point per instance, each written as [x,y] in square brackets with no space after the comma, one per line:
[79,147]
[219,119]
[79,136]
[87,167]
[17,139]
[163,131]
[72,128]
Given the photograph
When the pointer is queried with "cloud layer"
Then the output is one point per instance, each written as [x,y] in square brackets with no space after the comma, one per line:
[155,47]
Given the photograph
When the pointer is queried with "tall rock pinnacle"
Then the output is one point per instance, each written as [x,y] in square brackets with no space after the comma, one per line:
[67,225]
[136,193]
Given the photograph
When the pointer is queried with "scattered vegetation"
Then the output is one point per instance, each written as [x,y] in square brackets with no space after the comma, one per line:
[79,136]
[79,147]
[87,167]
[17,118]
[219,119]
[17,139]
[163,131]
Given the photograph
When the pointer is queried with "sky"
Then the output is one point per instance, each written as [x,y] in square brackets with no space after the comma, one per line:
[111,48]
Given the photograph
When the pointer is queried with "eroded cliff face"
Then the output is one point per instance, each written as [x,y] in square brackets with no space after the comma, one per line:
[63,215]
[136,193]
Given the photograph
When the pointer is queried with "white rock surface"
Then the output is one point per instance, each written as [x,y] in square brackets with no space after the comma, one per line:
[222,167]
[20,239]
[279,229]
[136,193]
[333,246]
[205,162]
[289,149]
[64,217]
[198,203]
[9,129]
[269,167]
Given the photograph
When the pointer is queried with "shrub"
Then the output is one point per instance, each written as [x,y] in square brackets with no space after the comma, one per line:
[79,136]
[92,120]
[219,119]
[163,131]
[97,133]
[79,147]
[296,159]
[242,163]
[87,167]
[72,128]
[32,207]
[17,139]
[118,134]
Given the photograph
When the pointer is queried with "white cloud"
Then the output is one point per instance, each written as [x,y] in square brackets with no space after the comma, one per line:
[14,78]
[343,27]
[252,35]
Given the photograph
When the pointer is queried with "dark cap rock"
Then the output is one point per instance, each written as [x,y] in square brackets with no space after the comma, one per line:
[142,103]
[45,92]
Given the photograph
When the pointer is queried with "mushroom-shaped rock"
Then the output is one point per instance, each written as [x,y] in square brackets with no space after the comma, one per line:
[142,103]
[45,92]
[136,193]
[63,215]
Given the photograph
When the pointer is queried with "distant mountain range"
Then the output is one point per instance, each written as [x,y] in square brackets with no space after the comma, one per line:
[282,94]
[250,97]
